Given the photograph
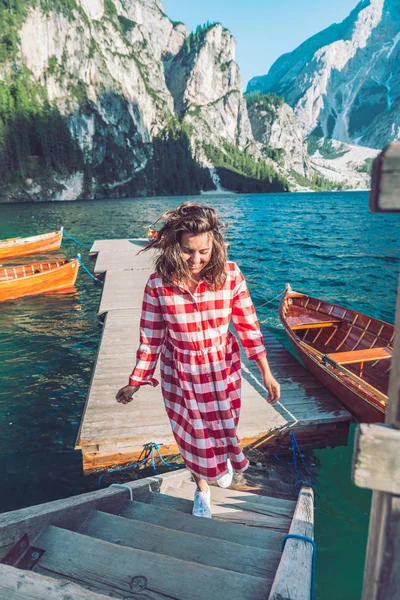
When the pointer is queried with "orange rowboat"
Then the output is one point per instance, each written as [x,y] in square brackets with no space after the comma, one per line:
[31,245]
[29,280]
[347,351]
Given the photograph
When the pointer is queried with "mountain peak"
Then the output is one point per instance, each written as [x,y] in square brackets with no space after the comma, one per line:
[343,83]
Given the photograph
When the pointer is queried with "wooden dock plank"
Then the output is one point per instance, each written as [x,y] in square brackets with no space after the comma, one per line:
[128,259]
[132,245]
[112,432]
[123,289]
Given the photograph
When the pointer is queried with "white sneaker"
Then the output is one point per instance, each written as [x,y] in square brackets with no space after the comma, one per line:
[202,504]
[226,480]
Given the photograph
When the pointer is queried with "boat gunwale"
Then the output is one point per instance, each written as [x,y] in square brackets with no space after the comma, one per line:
[344,308]
[20,241]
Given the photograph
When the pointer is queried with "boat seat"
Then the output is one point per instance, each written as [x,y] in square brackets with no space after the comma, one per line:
[313,320]
[359,356]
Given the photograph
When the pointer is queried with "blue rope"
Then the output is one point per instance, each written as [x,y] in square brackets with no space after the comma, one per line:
[130,466]
[153,461]
[296,450]
[156,448]
[149,450]
[78,256]
[74,240]
[314,555]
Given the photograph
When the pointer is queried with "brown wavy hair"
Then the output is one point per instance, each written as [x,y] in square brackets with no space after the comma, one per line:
[193,218]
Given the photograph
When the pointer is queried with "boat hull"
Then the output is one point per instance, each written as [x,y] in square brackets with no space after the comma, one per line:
[53,280]
[327,338]
[33,245]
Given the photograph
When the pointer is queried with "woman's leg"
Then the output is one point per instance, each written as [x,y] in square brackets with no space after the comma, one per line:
[201,483]
[202,499]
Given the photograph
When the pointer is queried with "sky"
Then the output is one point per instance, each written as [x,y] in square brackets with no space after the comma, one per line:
[264,29]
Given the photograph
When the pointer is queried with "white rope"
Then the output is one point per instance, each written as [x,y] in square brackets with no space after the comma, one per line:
[269,301]
[123,485]
[265,390]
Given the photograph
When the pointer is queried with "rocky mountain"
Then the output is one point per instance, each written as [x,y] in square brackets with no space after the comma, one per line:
[102,98]
[110,98]
[344,82]
[279,131]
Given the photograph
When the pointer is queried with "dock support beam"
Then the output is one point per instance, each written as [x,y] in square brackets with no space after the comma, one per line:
[381,449]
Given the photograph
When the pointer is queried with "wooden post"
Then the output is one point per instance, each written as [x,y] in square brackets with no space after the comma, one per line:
[376,462]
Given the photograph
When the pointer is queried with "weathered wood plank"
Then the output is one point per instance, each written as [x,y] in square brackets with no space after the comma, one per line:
[239,534]
[247,513]
[107,260]
[109,567]
[293,576]
[71,512]
[274,506]
[119,245]
[376,458]
[384,196]
[382,566]
[25,585]
[122,289]
[184,546]
[171,502]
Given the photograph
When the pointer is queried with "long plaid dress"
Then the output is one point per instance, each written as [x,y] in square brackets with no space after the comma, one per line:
[200,365]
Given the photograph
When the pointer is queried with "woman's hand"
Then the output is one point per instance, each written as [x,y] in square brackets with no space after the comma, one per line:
[273,388]
[270,383]
[125,394]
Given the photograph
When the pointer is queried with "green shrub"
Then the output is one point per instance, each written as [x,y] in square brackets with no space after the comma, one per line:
[269,102]
[318,182]
[366,167]
[109,9]
[126,25]
[325,147]
[194,41]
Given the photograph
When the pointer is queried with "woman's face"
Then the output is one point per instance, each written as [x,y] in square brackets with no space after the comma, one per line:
[196,249]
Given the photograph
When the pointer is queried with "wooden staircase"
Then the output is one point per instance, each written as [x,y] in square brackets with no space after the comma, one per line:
[102,545]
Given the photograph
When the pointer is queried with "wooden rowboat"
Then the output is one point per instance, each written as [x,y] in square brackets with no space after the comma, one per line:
[37,278]
[31,245]
[347,351]
[140,540]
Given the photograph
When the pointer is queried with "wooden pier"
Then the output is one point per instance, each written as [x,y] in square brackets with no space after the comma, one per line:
[112,433]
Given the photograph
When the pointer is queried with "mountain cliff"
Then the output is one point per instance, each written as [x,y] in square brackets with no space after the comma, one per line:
[103,98]
[275,126]
[344,82]
[110,98]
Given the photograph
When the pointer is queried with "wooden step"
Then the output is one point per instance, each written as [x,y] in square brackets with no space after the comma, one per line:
[168,501]
[130,572]
[282,506]
[229,508]
[185,546]
[231,532]
[277,506]
[16,584]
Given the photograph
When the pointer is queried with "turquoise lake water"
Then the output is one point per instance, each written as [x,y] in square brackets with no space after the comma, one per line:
[328,245]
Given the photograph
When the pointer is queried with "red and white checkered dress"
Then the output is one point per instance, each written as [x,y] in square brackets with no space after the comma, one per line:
[200,365]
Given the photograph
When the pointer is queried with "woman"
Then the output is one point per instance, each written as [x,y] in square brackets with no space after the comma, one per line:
[187,306]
